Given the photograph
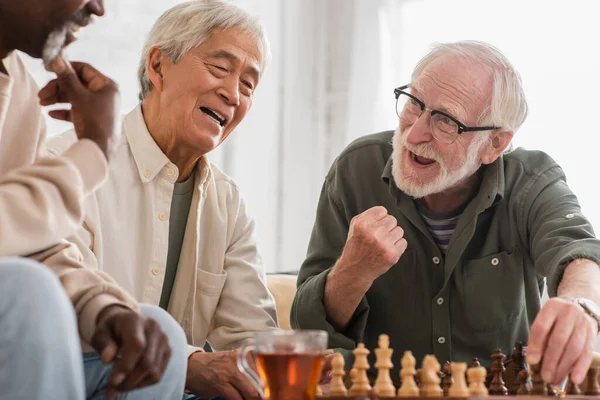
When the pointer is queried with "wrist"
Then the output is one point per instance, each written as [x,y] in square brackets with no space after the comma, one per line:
[110,311]
[589,307]
[343,273]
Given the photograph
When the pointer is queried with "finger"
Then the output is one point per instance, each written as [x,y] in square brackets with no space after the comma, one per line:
[61,115]
[395,235]
[582,365]
[104,345]
[230,393]
[133,345]
[243,386]
[401,246]
[68,80]
[92,79]
[538,334]
[573,349]
[149,366]
[388,223]
[558,342]
[50,91]
[376,213]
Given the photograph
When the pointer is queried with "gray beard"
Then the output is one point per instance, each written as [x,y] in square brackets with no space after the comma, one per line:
[54,45]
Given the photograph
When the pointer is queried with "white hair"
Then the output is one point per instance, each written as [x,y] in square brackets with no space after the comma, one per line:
[508,106]
[187,25]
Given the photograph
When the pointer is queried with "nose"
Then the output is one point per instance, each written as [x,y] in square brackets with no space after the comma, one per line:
[96,7]
[420,132]
[230,91]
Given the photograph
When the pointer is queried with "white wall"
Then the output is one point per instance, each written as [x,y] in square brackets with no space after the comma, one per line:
[335,63]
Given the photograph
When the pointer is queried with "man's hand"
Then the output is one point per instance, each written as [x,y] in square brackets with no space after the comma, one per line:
[143,349]
[94,100]
[375,243]
[217,375]
[562,338]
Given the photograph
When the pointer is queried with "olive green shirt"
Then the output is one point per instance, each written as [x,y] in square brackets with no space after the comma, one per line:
[180,209]
[521,229]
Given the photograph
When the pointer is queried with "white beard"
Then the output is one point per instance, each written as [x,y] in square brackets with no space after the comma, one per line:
[54,45]
[57,39]
[409,182]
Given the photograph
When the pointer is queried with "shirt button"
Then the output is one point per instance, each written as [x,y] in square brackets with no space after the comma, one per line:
[155,271]
[441,340]
[147,173]
[569,216]
[436,260]
[440,301]
[495,261]
[162,216]
[170,171]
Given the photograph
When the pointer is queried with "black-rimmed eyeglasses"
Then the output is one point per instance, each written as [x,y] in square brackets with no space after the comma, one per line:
[444,127]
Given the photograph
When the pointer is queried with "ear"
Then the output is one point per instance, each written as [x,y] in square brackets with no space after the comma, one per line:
[499,141]
[155,67]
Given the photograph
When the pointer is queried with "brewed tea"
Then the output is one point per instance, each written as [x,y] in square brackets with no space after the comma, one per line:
[290,376]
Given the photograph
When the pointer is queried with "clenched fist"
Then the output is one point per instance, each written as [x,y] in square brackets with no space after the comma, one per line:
[375,243]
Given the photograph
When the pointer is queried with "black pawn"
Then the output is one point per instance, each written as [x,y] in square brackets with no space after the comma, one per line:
[572,389]
[592,388]
[497,387]
[538,386]
[447,379]
[474,363]
[519,364]
[524,383]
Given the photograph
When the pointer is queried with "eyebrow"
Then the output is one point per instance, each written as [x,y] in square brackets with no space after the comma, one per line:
[233,58]
[450,109]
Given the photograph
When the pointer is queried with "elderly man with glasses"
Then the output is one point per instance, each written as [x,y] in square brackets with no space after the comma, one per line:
[438,236]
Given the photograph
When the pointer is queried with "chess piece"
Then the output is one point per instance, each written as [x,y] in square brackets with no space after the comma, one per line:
[572,389]
[360,384]
[430,386]
[524,383]
[409,387]
[592,388]
[519,364]
[418,378]
[538,386]
[477,381]
[459,386]
[474,363]
[552,392]
[383,384]
[337,387]
[447,380]
[497,386]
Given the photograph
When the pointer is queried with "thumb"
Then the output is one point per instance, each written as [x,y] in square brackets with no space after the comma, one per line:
[105,345]
[67,77]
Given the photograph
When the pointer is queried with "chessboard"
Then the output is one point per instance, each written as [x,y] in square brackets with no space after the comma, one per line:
[458,380]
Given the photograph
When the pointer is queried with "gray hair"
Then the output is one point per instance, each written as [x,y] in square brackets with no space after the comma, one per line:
[508,106]
[187,25]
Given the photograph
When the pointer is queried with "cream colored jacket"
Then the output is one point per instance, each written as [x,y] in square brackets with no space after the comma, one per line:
[42,198]
[220,292]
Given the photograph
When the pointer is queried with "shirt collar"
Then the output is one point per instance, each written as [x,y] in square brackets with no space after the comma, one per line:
[490,192]
[149,158]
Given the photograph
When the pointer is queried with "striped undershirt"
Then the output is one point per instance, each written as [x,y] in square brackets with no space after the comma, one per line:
[441,226]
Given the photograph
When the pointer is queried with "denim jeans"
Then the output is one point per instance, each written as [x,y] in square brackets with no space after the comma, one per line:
[40,351]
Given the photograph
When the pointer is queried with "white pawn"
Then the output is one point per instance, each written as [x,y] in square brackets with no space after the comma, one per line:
[459,386]
[360,385]
[477,381]
[383,384]
[409,387]
[430,377]
[337,387]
